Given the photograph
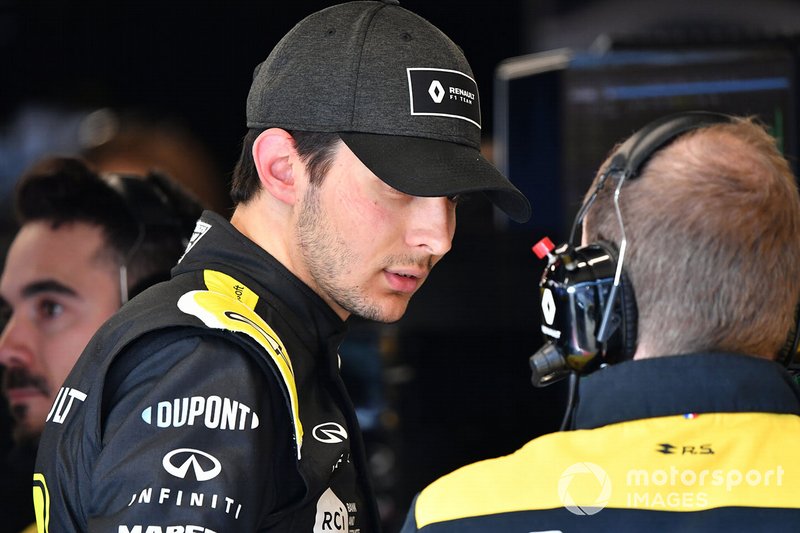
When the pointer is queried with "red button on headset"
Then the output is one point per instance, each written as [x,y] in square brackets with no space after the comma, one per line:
[543,248]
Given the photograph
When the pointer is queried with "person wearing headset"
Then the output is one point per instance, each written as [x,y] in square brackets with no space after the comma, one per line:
[679,315]
[86,244]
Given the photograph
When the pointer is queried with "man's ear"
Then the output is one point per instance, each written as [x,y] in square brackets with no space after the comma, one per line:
[273,154]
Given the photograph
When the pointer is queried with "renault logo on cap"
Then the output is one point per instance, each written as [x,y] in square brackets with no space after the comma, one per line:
[436,91]
[178,462]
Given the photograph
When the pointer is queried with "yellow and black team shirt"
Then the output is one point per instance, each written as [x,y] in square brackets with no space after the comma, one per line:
[211,403]
[702,442]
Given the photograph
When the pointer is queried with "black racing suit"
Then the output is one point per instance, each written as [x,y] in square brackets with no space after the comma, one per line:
[209,403]
[692,443]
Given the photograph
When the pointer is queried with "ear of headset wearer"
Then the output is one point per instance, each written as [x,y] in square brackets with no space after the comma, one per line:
[589,315]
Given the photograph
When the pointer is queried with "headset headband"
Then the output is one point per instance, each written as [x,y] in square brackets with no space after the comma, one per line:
[640,147]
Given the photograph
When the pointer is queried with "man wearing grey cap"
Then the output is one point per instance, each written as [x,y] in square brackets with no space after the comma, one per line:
[213,402]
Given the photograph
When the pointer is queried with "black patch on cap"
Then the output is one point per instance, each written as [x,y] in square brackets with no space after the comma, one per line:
[445,93]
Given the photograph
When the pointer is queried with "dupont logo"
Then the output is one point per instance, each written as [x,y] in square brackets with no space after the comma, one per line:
[204,466]
[213,412]
[329,433]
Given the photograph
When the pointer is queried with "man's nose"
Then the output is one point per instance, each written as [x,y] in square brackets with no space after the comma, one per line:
[433,225]
[15,347]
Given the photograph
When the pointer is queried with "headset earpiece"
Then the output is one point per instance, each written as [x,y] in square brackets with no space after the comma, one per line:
[624,346]
[576,290]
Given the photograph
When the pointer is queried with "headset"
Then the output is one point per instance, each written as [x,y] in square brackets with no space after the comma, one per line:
[152,208]
[589,314]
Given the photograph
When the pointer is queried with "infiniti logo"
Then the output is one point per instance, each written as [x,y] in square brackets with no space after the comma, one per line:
[177,462]
[329,433]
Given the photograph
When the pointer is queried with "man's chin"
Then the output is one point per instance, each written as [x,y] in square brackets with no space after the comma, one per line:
[24,431]
[387,311]
[26,436]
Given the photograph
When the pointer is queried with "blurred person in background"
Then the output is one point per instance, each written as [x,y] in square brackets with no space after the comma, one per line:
[116,140]
[87,243]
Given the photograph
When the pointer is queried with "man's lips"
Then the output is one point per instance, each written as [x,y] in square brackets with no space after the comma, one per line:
[22,394]
[18,382]
[405,280]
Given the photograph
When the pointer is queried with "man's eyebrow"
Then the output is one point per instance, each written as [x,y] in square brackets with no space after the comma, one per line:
[49,285]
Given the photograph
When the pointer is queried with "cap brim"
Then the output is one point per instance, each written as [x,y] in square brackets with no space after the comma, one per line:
[428,167]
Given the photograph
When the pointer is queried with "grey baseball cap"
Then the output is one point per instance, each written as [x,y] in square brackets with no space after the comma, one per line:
[396,89]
